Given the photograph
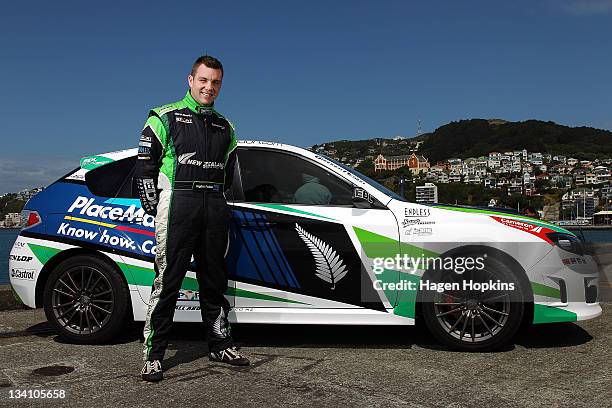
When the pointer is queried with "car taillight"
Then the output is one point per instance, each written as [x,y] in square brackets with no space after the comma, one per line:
[29,219]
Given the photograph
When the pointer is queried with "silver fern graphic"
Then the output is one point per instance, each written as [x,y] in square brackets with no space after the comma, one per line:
[329,265]
[220,325]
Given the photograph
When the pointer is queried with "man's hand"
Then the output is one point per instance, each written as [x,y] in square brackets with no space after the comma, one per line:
[148,195]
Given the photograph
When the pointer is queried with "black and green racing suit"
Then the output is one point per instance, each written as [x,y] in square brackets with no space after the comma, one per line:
[186,158]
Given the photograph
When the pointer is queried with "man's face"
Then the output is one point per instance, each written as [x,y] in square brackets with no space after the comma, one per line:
[205,85]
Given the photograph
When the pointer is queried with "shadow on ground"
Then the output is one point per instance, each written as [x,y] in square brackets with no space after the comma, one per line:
[189,341]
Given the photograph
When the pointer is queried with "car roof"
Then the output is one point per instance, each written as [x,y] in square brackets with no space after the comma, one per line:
[97,160]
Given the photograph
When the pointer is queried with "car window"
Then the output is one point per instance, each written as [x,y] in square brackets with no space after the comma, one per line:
[113,179]
[270,176]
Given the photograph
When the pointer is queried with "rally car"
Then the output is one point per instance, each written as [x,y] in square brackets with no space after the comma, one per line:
[354,253]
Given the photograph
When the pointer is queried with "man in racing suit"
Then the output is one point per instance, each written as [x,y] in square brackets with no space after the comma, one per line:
[186,158]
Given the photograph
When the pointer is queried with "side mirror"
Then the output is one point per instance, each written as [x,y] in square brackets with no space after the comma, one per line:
[362,199]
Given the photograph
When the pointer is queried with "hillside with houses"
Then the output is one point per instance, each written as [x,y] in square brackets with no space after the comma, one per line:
[561,186]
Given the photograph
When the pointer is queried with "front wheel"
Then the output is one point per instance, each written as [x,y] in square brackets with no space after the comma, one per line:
[465,317]
[86,300]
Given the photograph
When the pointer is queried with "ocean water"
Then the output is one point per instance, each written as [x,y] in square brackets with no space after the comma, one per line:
[8,237]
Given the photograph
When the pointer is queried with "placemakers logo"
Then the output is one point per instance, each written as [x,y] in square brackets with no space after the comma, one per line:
[23,274]
[132,214]
[100,231]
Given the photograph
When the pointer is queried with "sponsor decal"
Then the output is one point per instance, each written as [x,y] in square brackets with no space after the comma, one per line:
[188,295]
[146,139]
[361,193]
[213,165]
[143,157]
[85,206]
[76,176]
[186,158]
[75,225]
[181,307]
[416,212]
[20,244]
[341,170]
[143,149]
[421,232]
[407,222]
[219,126]
[92,162]
[20,258]
[144,144]
[184,120]
[573,261]
[262,142]
[532,229]
[23,274]
[329,266]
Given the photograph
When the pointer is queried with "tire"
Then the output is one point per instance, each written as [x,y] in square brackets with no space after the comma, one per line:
[91,316]
[472,320]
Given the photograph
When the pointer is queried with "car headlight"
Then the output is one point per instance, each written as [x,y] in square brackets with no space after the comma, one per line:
[567,242]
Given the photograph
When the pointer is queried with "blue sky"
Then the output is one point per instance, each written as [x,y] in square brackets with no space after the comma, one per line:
[77,79]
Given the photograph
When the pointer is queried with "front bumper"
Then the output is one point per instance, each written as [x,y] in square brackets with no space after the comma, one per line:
[565,288]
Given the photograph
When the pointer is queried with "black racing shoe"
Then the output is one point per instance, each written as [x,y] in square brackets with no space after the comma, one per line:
[152,371]
[230,356]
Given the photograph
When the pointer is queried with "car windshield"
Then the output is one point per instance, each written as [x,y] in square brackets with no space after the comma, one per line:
[368,180]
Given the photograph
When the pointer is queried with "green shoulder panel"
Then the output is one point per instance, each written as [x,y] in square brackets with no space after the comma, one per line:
[158,120]
[159,128]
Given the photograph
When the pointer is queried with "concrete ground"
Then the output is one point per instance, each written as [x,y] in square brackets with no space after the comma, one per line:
[549,365]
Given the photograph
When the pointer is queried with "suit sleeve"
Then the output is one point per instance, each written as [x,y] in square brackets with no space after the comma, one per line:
[151,149]
[230,159]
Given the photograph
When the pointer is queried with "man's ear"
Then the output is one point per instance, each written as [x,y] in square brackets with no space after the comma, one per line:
[190,80]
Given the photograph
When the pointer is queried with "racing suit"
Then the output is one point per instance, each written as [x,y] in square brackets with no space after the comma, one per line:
[186,158]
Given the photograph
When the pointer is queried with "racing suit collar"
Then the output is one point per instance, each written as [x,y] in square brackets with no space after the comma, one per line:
[195,107]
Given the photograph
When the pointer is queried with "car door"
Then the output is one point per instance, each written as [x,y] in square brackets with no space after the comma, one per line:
[297,237]
[131,234]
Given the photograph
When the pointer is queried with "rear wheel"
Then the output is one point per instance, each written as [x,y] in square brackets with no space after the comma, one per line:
[86,300]
[468,318]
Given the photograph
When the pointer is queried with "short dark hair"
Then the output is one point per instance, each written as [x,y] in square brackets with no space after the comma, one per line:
[210,62]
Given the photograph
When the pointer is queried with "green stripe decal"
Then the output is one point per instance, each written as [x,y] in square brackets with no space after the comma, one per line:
[543,290]
[254,295]
[43,253]
[145,276]
[289,209]
[549,314]
[506,215]
[378,246]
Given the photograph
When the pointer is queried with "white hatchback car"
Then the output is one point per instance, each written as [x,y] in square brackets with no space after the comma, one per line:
[360,255]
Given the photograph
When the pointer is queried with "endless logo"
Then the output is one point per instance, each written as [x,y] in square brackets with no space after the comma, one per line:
[416,212]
